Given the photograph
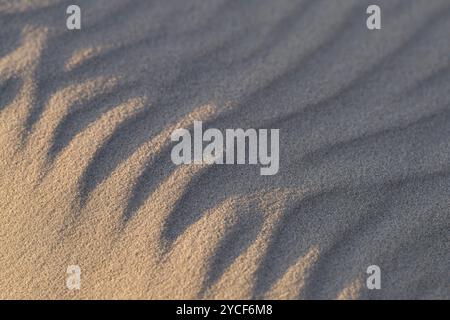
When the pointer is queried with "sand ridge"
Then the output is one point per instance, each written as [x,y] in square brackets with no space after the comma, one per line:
[86,176]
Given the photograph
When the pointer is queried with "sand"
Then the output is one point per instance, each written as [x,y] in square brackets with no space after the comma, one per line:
[86,176]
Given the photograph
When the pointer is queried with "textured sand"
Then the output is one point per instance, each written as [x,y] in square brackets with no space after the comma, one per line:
[85,170]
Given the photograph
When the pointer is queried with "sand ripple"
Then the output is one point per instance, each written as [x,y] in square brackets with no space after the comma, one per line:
[85,170]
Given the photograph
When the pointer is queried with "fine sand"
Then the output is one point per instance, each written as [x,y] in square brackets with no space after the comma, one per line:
[86,176]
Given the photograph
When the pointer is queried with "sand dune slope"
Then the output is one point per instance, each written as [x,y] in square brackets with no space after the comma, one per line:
[86,176]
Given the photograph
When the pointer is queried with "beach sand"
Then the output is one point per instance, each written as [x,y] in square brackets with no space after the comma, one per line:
[86,176]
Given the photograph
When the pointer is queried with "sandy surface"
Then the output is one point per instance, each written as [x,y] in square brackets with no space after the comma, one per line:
[86,176]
